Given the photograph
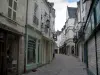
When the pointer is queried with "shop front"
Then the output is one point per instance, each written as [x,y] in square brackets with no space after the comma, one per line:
[8,52]
[33,44]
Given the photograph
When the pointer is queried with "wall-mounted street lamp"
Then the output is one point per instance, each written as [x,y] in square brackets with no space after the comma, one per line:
[55,37]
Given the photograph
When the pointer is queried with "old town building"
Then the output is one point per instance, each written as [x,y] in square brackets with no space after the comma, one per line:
[27,35]
[12,31]
[40,30]
[65,38]
[89,35]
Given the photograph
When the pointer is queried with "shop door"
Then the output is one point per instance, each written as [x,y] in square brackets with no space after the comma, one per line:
[1,58]
[8,50]
[3,70]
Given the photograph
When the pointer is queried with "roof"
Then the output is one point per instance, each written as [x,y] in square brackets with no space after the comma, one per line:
[72,11]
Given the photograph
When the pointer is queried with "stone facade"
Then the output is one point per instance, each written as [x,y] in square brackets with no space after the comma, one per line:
[40,26]
[12,21]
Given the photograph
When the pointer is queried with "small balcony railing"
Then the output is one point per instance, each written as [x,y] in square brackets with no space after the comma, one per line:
[81,32]
[55,37]
[35,20]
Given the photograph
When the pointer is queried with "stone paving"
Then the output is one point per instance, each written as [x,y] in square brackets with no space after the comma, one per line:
[62,65]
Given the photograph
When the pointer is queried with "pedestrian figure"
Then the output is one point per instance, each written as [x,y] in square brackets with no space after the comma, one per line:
[53,55]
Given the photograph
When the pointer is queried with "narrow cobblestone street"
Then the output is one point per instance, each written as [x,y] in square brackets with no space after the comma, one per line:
[62,65]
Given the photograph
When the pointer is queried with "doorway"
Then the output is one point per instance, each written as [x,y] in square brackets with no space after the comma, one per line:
[2,57]
[2,53]
[8,53]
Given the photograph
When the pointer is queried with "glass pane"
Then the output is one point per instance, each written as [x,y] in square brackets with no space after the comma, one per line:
[10,3]
[31,50]
[9,12]
[98,12]
[88,30]
[14,15]
[15,5]
[89,27]
[92,20]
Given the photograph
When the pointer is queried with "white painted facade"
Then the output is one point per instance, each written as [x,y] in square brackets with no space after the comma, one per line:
[81,18]
[17,27]
[69,34]
[44,49]
[20,15]
[48,13]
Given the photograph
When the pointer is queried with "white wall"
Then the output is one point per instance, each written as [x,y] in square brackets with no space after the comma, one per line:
[70,22]
[18,26]
[20,15]
[61,38]
[69,28]
[42,8]
[31,6]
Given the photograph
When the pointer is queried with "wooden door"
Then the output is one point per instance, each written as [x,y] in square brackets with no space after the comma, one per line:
[2,59]
[3,70]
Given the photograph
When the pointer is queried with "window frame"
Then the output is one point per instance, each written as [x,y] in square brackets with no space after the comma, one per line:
[13,10]
[33,51]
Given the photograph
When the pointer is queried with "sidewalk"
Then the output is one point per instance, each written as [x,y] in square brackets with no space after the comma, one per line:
[62,65]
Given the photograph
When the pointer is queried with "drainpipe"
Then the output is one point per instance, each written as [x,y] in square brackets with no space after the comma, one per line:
[96,42]
[49,20]
[25,36]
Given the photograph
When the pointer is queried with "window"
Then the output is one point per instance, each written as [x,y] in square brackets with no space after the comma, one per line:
[12,7]
[98,12]
[88,29]
[45,14]
[35,19]
[9,12]
[35,8]
[82,7]
[46,29]
[38,50]
[31,50]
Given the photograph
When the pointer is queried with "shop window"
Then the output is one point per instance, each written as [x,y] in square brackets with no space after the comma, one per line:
[38,51]
[31,50]
[12,7]
[12,54]
[98,12]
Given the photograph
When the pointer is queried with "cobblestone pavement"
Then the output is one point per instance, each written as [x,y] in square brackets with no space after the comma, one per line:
[62,65]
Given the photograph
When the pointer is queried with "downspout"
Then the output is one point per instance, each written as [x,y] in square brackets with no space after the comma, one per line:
[96,42]
[26,36]
[49,19]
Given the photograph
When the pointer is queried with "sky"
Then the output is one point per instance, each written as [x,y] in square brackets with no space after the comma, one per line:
[61,15]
